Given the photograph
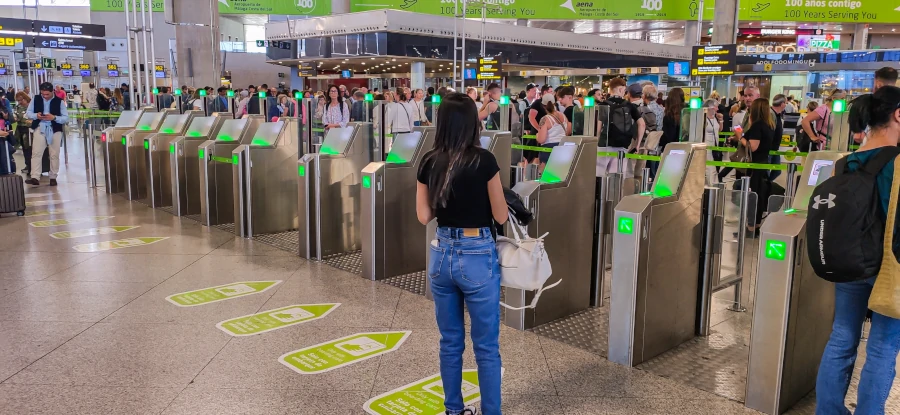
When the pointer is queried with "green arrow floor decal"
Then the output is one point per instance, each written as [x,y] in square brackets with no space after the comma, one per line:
[61,222]
[338,353]
[220,293]
[105,230]
[119,244]
[275,319]
[44,202]
[424,397]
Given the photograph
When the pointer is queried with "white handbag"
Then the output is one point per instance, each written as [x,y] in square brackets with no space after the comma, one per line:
[523,263]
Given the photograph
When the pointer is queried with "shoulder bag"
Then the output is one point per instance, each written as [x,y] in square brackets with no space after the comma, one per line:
[885,297]
[524,263]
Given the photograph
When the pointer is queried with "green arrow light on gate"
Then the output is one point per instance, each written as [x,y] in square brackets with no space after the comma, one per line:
[696,103]
[155,91]
[298,95]
[146,145]
[202,92]
[839,106]
[301,171]
[234,159]
[370,97]
[367,182]
[201,154]
[589,102]
[172,148]
[230,93]
[124,140]
[626,225]
[776,250]
[504,100]
[177,92]
[435,99]
[262,94]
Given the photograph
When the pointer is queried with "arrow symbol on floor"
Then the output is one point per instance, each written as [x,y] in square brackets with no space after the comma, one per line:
[283,316]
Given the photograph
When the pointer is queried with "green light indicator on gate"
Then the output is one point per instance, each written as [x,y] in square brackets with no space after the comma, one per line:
[262,94]
[177,92]
[230,93]
[124,140]
[202,92]
[435,99]
[201,154]
[504,100]
[155,91]
[234,159]
[370,97]
[626,226]
[696,103]
[776,250]
[588,102]
[301,171]
[146,145]
[367,182]
[298,95]
[839,106]
[172,148]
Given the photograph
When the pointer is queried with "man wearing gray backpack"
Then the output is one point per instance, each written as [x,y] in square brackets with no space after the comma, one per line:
[619,123]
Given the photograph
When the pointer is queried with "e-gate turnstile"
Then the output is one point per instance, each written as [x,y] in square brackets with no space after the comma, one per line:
[562,201]
[265,184]
[656,259]
[216,172]
[157,152]
[794,308]
[328,195]
[114,150]
[135,148]
[185,163]
[391,233]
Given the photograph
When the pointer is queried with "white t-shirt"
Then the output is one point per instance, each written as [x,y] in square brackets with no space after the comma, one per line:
[400,117]
[557,131]
[711,136]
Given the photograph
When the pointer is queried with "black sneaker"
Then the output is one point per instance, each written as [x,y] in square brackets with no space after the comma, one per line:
[52,182]
[32,181]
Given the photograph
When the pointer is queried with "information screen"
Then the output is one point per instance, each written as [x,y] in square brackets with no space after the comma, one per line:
[267,133]
[403,148]
[128,119]
[670,174]
[200,126]
[714,60]
[337,140]
[150,121]
[820,172]
[559,164]
[231,130]
[66,72]
[174,124]
[486,142]
[85,73]
[113,74]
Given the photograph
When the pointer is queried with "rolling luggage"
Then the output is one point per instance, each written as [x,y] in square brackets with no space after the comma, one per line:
[12,186]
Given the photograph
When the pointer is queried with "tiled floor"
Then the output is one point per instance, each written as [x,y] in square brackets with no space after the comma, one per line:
[92,333]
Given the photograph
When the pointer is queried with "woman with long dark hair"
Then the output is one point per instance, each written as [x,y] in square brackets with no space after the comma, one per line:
[459,184]
[337,113]
[758,140]
[672,118]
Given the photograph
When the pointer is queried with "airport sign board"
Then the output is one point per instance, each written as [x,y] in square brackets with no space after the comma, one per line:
[18,25]
[65,28]
[714,60]
[281,7]
[70,43]
[489,69]
[307,69]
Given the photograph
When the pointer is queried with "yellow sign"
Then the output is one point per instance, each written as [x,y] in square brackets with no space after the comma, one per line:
[767,67]
[65,66]
[627,71]
[2,65]
[112,67]
[160,68]
[9,41]
[37,65]
[84,67]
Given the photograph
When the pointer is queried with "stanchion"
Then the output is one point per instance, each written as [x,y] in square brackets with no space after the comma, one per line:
[742,234]
[711,253]
[789,185]
[89,157]
[645,180]
[65,146]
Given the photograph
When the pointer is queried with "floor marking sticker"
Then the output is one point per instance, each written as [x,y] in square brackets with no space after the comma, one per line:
[338,353]
[119,244]
[105,230]
[43,213]
[220,293]
[275,319]
[44,202]
[424,396]
[61,222]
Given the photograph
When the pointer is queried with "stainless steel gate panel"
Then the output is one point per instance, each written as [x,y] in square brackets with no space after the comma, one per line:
[216,172]
[114,150]
[158,157]
[135,148]
[185,162]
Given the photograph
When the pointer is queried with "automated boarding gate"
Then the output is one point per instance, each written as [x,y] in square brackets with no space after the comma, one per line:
[185,163]
[114,150]
[265,184]
[135,148]
[391,232]
[563,202]
[653,305]
[328,192]
[216,175]
[157,148]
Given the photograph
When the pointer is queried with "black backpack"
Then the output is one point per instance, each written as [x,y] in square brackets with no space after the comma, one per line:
[618,126]
[844,227]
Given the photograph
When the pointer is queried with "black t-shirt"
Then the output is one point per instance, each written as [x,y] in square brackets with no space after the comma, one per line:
[765,134]
[538,106]
[779,129]
[569,113]
[468,205]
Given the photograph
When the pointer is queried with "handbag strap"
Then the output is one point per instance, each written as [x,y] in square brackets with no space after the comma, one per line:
[891,217]
[534,301]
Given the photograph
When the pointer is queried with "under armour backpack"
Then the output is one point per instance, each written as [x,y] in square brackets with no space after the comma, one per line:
[844,225]
[618,126]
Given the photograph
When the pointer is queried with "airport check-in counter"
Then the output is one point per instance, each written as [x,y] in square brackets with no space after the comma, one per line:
[135,148]
[656,259]
[328,192]
[265,184]
[794,308]
[562,202]
[114,150]
[216,172]
[185,162]
[391,232]
[157,148]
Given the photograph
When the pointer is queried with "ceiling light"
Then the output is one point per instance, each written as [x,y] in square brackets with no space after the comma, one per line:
[372,59]
[393,60]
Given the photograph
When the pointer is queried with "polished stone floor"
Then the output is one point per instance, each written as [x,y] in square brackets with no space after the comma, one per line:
[92,332]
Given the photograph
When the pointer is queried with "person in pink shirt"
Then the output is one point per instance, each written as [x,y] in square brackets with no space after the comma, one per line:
[60,92]
[817,124]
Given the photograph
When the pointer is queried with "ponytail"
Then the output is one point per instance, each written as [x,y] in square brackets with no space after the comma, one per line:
[874,110]
[551,107]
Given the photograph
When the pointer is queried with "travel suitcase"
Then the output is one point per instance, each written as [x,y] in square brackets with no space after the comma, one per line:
[12,186]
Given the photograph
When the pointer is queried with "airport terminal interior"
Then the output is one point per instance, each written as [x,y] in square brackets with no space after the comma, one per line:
[203,234]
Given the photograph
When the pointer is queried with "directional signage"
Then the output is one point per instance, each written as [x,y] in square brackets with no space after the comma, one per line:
[119,244]
[308,68]
[338,353]
[84,67]
[714,60]
[105,230]
[61,222]
[425,396]
[220,293]
[489,69]
[275,319]
[776,250]
[626,225]
[65,28]
[18,25]
[48,62]
[70,43]
[44,202]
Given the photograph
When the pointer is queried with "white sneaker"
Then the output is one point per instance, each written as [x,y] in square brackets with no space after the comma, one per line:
[469,410]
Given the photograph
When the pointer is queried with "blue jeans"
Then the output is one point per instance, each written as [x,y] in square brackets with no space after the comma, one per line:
[850,306]
[465,270]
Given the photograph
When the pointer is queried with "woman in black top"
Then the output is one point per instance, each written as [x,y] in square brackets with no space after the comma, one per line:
[672,118]
[758,139]
[459,184]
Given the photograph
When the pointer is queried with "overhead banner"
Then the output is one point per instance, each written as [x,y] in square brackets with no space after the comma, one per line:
[283,7]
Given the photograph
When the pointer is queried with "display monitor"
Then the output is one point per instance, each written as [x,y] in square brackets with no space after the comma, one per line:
[336,140]
[200,126]
[485,142]
[403,148]
[671,173]
[231,130]
[113,74]
[559,165]
[150,121]
[820,172]
[160,74]
[679,68]
[267,133]
[2,71]
[128,119]
[85,73]
[174,124]
[65,72]
[346,74]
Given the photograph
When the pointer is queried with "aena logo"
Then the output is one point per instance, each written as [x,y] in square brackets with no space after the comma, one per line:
[819,201]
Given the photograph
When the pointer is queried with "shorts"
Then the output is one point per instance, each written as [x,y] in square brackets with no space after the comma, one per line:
[545,155]
[530,155]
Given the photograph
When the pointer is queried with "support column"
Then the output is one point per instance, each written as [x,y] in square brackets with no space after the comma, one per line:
[691,29]
[417,75]
[860,37]
[199,59]
[725,22]
[296,79]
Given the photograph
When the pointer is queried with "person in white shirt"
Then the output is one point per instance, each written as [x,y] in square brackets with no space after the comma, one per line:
[418,102]
[400,115]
